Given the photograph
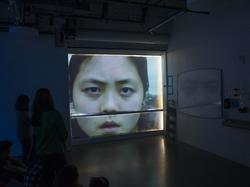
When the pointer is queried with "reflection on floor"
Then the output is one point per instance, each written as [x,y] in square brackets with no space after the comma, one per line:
[156,162]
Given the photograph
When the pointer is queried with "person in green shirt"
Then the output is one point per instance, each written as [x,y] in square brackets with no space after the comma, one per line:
[50,135]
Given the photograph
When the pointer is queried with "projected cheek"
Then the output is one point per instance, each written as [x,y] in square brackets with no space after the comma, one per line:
[129,122]
[89,125]
[86,97]
[86,91]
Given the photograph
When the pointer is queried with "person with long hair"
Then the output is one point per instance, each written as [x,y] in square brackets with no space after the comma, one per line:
[50,134]
[24,128]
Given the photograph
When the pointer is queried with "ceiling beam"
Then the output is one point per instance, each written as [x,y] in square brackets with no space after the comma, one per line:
[149,5]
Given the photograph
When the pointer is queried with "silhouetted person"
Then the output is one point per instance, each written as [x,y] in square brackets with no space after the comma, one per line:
[23,122]
[67,177]
[50,138]
[99,182]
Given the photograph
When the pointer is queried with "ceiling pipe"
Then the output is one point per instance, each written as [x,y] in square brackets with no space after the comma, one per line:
[181,13]
[16,10]
[121,37]
[149,5]
[157,26]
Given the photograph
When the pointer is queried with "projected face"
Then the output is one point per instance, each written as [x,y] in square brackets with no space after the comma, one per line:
[106,84]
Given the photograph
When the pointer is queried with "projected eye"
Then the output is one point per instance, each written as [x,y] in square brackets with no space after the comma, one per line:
[126,91]
[92,91]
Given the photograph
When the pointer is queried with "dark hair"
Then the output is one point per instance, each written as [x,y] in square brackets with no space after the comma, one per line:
[5,145]
[140,64]
[22,103]
[67,177]
[43,102]
[99,182]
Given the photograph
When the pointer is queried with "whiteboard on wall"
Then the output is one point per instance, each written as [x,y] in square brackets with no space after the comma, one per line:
[199,93]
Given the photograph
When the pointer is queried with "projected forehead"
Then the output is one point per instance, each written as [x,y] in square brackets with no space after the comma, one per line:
[108,69]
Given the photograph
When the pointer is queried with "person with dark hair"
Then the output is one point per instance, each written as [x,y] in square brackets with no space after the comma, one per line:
[10,168]
[104,86]
[51,135]
[67,177]
[24,128]
[99,182]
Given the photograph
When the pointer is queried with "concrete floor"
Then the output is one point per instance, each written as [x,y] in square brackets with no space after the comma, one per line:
[156,162]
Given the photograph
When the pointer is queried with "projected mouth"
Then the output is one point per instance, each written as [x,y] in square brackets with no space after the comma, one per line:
[109,126]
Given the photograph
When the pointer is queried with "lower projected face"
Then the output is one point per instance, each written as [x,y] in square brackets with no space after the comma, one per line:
[106,85]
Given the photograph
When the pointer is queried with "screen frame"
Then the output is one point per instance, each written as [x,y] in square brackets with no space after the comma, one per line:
[74,141]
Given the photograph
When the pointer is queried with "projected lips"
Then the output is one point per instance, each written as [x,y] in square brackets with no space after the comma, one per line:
[110,127]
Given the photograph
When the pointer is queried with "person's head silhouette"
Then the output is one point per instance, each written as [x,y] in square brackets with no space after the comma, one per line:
[99,182]
[22,103]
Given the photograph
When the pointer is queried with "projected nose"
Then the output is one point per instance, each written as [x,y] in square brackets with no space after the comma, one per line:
[109,103]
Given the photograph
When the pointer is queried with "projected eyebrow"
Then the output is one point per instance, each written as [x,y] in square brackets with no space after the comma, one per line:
[93,81]
[128,81]
[103,82]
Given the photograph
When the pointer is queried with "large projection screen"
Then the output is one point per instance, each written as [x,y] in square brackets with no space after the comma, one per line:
[115,94]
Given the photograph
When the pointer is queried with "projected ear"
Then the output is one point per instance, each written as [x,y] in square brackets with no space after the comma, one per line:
[146,101]
[144,104]
[72,107]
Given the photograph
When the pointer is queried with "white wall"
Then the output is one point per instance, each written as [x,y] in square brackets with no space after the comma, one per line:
[28,63]
[214,41]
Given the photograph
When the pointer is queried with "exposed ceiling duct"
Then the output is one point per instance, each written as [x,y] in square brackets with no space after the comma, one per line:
[16,7]
[121,37]
[112,21]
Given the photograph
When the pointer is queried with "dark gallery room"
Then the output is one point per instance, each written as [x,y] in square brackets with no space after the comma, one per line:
[118,93]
